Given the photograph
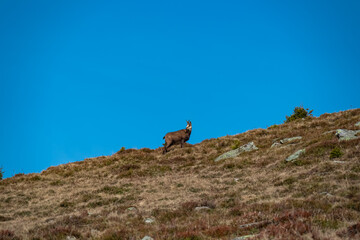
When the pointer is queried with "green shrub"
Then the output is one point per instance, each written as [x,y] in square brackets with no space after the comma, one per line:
[336,153]
[299,112]
[235,145]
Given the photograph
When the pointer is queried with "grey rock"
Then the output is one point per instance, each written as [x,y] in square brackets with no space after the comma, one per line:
[202,208]
[233,153]
[338,161]
[131,208]
[345,135]
[244,237]
[147,238]
[295,155]
[357,124]
[288,140]
[149,220]
[275,144]
[285,140]
[70,238]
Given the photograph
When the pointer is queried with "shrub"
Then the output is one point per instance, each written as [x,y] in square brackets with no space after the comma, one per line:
[1,173]
[299,112]
[336,153]
[235,145]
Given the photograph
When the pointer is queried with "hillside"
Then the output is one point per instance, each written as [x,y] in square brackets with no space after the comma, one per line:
[185,194]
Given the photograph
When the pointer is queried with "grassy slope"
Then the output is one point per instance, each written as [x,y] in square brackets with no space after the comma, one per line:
[312,198]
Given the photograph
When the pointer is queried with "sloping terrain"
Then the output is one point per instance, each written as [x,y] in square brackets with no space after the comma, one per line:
[185,194]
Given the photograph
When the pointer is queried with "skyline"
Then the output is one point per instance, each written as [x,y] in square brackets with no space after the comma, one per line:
[83,79]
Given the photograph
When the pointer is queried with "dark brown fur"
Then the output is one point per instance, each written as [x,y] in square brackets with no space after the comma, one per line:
[177,137]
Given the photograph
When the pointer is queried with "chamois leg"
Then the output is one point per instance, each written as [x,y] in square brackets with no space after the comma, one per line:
[182,143]
[166,146]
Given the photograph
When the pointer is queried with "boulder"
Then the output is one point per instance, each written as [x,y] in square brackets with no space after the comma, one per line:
[285,140]
[147,238]
[357,124]
[295,155]
[233,153]
[345,135]
[288,140]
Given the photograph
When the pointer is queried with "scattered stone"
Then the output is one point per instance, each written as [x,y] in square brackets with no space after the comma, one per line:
[357,124]
[288,140]
[70,238]
[295,155]
[345,135]
[339,162]
[233,153]
[244,237]
[285,140]
[149,220]
[202,208]
[131,208]
[326,193]
[275,144]
[236,179]
[147,238]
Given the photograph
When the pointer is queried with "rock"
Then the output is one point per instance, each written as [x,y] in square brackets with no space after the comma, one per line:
[244,237]
[70,238]
[233,153]
[357,124]
[147,238]
[275,144]
[149,220]
[288,140]
[202,208]
[131,208]
[345,135]
[285,140]
[338,161]
[295,155]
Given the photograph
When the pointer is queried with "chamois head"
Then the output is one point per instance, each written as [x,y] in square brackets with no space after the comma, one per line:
[189,126]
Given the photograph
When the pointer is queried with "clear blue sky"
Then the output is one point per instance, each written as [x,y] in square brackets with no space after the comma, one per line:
[81,79]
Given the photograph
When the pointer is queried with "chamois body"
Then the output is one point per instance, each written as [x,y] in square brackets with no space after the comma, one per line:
[177,137]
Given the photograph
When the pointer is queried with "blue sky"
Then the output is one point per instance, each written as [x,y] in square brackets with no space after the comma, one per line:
[81,79]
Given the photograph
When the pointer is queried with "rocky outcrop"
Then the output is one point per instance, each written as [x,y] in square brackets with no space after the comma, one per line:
[285,141]
[295,155]
[345,135]
[357,124]
[233,153]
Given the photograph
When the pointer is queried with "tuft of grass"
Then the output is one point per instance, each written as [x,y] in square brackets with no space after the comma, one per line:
[113,190]
[235,145]
[336,153]
[66,204]
[8,235]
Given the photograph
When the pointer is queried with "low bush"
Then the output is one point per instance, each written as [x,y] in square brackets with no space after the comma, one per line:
[299,112]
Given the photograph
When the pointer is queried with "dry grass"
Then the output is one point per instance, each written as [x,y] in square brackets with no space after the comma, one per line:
[109,197]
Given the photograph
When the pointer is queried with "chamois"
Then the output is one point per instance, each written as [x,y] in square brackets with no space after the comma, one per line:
[180,136]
